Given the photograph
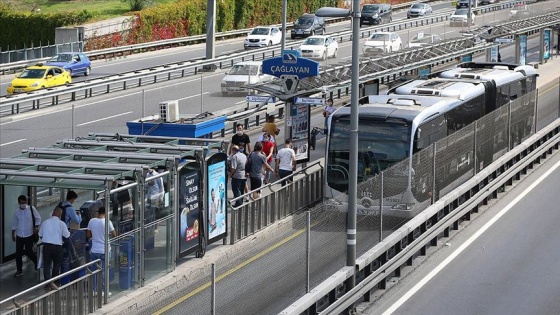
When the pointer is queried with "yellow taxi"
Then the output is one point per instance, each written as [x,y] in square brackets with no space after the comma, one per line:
[39,77]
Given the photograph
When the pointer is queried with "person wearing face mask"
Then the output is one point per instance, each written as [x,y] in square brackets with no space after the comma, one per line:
[241,140]
[22,233]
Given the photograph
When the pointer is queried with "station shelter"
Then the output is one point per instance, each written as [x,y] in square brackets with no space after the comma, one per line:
[111,170]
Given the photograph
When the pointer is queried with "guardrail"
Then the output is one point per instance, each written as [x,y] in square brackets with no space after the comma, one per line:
[22,57]
[103,53]
[75,297]
[303,189]
[18,103]
[400,248]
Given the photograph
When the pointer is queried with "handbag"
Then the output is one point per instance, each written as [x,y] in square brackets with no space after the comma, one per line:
[35,236]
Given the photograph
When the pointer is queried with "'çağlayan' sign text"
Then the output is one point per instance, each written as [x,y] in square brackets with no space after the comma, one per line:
[291,64]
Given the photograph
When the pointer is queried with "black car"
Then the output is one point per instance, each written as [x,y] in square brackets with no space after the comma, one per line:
[308,25]
[376,14]
[465,4]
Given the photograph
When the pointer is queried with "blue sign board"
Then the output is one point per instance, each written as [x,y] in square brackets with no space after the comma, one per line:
[291,64]
[546,39]
[522,49]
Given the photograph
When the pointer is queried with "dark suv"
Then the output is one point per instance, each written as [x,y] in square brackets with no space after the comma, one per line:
[376,14]
[308,25]
[465,4]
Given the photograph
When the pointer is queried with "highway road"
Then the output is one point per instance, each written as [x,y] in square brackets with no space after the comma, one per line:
[504,262]
[156,58]
[109,113]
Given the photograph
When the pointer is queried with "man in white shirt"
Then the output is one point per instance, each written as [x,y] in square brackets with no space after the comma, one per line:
[96,231]
[155,190]
[52,231]
[285,161]
[22,233]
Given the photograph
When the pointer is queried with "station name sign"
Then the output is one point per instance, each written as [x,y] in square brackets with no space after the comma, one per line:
[291,64]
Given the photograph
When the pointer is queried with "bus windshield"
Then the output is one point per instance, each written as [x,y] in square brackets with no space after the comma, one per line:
[380,145]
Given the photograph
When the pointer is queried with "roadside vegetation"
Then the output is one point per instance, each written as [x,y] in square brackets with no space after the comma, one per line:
[99,9]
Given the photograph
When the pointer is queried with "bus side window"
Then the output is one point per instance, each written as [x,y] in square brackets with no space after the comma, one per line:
[430,132]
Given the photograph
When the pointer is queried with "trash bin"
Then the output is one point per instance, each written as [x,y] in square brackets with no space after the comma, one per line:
[126,263]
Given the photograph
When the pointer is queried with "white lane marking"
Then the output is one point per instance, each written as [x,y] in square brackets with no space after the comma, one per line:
[461,248]
[241,102]
[101,119]
[12,142]
[197,95]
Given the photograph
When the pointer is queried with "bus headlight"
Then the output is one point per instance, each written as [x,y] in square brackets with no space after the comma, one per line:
[402,206]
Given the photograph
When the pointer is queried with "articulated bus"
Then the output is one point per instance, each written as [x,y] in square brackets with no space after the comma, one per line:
[412,117]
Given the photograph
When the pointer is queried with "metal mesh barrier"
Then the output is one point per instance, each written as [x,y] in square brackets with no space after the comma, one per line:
[522,118]
[491,137]
[547,112]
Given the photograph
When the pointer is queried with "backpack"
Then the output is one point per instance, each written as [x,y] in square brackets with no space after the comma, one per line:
[63,208]
[249,163]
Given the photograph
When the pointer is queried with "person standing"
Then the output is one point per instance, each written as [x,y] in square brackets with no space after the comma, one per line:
[241,140]
[285,161]
[96,232]
[23,230]
[52,231]
[71,218]
[268,150]
[270,126]
[258,162]
[329,110]
[237,174]
[155,190]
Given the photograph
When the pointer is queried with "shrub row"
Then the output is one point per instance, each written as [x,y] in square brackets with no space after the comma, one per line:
[26,29]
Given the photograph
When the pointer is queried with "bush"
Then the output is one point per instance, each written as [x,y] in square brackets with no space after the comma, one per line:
[137,5]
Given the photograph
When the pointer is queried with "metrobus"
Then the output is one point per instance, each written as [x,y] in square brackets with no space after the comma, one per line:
[412,117]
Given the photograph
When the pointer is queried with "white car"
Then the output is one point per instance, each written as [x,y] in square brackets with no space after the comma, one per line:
[422,39]
[263,36]
[319,47]
[382,42]
[241,74]
[460,18]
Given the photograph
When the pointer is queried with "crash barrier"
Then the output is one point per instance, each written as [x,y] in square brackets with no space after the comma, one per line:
[52,96]
[17,59]
[302,189]
[75,297]
[398,249]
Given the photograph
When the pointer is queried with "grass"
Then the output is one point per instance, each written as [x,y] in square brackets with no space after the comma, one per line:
[101,9]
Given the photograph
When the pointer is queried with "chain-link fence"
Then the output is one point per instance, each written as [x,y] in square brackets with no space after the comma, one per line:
[266,278]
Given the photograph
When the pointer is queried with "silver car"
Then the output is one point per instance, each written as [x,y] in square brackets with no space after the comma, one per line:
[418,9]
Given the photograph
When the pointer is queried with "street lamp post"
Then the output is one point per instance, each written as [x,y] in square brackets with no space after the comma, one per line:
[353,162]
[284,13]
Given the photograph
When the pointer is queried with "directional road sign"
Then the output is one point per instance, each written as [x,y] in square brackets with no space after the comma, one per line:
[260,98]
[309,100]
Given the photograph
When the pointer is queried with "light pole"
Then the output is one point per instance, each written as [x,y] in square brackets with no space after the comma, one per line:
[284,13]
[353,162]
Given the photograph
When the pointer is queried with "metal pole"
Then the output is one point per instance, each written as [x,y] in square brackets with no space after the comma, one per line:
[469,17]
[381,207]
[308,253]
[210,29]
[201,94]
[353,172]
[143,110]
[284,13]
[72,121]
[213,291]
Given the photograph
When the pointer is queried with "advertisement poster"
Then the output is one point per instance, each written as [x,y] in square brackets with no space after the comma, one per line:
[466,58]
[547,36]
[494,54]
[522,49]
[216,197]
[189,211]
[300,132]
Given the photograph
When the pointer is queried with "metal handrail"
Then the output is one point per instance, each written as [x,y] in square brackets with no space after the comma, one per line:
[96,262]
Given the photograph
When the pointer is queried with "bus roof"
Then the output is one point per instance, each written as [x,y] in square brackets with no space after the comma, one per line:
[406,107]
[501,74]
[460,89]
